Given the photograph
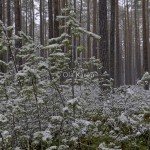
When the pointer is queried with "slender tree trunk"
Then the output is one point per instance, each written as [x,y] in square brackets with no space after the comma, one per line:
[80,39]
[132,46]
[17,18]
[50,15]
[112,39]
[148,42]
[88,29]
[103,32]
[33,24]
[41,26]
[125,44]
[8,15]
[94,27]
[145,48]
[74,39]
[44,24]
[56,23]
[137,44]
[30,24]
[26,17]
[128,51]
[1,10]
[8,24]
[118,62]
[18,27]
[1,18]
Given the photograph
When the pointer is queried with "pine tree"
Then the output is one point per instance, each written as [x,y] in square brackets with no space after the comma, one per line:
[50,15]
[112,39]
[104,53]
[18,42]
[144,31]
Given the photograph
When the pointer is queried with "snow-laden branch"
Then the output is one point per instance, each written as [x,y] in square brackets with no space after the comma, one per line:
[58,39]
[89,33]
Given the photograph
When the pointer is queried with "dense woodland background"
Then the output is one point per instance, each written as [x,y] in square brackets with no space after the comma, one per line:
[122,24]
[72,74]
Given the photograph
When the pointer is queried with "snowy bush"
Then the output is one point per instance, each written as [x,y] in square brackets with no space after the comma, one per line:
[145,81]
[41,110]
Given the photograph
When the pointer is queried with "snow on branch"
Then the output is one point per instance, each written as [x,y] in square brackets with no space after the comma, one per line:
[89,33]
[62,17]
[58,39]
[52,46]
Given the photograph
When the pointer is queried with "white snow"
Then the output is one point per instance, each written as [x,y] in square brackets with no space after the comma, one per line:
[3,119]
[52,46]
[89,33]
[130,91]
[138,133]
[73,101]
[57,54]
[52,148]
[123,118]
[56,118]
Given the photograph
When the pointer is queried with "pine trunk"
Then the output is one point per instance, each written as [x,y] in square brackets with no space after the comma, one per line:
[103,32]
[145,48]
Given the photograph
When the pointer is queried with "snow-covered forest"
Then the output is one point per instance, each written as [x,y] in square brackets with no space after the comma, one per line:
[74,75]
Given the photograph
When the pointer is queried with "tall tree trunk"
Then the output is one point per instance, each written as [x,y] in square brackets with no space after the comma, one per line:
[148,42]
[26,17]
[56,23]
[1,18]
[44,23]
[50,16]
[33,24]
[137,44]
[18,27]
[1,10]
[132,46]
[8,15]
[128,51]
[125,44]
[17,18]
[112,39]
[80,39]
[118,62]
[145,48]
[104,52]
[9,23]
[31,17]
[45,26]
[41,26]
[88,29]
[94,27]
[74,38]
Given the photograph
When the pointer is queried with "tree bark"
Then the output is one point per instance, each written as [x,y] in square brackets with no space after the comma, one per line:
[18,42]
[1,10]
[50,15]
[56,23]
[41,26]
[88,29]
[118,49]
[128,50]
[103,32]
[137,44]
[112,39]
[94,27]
[9,23]
[144,31]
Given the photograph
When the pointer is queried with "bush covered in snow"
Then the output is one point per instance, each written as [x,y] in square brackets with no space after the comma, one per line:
[41,110]
[145,81]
